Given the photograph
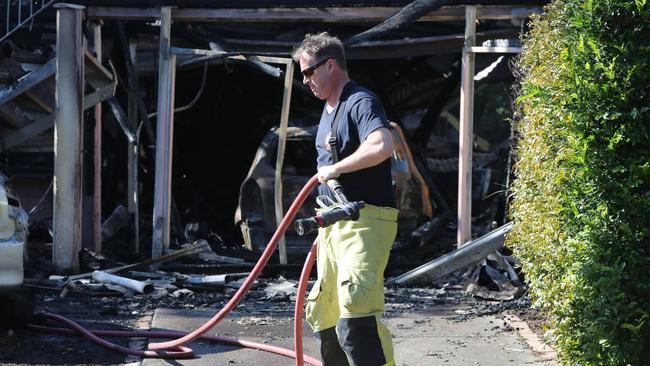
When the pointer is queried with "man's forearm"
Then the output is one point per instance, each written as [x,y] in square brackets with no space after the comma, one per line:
[375,149]
[367,155]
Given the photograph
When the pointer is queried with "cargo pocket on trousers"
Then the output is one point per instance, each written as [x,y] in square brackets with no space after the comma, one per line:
[358,294]
[311,306]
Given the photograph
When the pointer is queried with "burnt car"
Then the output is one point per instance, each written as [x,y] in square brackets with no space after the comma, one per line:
[255,213]
[13,235]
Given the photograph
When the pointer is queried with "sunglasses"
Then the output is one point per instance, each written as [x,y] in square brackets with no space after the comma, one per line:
[309,71]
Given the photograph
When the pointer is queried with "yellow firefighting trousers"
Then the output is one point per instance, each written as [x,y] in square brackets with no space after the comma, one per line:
[351,259]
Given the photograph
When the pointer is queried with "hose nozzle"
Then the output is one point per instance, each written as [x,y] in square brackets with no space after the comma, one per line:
[348,211]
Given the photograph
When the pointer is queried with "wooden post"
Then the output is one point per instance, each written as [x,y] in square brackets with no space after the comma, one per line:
[97,151]
[466,132]
[282,138]
[67,137]
[133,189]
[164,138]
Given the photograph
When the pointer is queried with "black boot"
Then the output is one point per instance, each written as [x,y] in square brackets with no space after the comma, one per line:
[359,338]
[330,349]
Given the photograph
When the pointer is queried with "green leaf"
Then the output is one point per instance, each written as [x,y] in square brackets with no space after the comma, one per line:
[640,4]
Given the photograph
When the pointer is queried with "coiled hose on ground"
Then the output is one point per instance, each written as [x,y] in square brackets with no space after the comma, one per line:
[175,349]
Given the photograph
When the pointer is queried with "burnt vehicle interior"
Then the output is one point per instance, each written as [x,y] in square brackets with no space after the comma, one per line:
[232,105]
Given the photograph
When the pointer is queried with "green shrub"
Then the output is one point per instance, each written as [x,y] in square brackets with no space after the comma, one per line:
[581,202]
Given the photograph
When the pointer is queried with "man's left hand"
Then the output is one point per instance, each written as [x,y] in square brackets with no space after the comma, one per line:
[326,173]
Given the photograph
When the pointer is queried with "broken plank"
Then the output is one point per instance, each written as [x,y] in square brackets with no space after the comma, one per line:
[122,119]
[95,73]
[42,97]
[193,248]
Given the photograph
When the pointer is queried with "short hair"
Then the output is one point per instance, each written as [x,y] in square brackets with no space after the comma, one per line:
[320,46]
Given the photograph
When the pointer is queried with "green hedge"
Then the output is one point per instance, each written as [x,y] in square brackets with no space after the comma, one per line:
[581,203]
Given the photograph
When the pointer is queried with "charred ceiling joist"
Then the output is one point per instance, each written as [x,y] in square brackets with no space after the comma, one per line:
[355,22]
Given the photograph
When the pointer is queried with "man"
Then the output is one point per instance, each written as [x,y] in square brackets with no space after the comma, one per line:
[345,306]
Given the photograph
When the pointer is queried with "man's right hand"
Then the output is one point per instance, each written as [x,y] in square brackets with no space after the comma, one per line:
[327,172]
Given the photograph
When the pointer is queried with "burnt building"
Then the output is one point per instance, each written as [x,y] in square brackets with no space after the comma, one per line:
[169,122]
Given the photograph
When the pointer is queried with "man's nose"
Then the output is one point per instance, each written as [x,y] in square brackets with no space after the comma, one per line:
[305,80]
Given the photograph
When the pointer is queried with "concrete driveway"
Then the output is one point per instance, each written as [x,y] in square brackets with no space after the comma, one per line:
[422,337]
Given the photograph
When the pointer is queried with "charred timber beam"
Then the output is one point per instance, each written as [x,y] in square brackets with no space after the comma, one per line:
[408,47]
[95,74]
[136,96]
[396,48]
[13,115]
[421,46]
[323,15]
[411,13]
[28,81]
[43,124]
[470,253]
[216,44]
[258,61]
[39,93]
[24,134]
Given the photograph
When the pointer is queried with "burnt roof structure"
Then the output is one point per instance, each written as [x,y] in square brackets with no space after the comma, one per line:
[414,53]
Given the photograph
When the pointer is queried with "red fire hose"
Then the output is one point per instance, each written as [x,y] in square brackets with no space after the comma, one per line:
[175,348]
[300,298]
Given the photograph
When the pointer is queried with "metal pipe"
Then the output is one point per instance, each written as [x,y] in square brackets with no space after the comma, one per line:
[138,286]
[470,253]
[67,138]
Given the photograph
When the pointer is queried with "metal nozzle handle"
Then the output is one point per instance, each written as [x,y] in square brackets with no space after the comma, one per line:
[337,189]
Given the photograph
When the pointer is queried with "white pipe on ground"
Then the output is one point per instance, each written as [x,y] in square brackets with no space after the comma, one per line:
[138,286]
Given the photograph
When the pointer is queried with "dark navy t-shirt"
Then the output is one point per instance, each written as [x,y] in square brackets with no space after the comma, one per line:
[362,115]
